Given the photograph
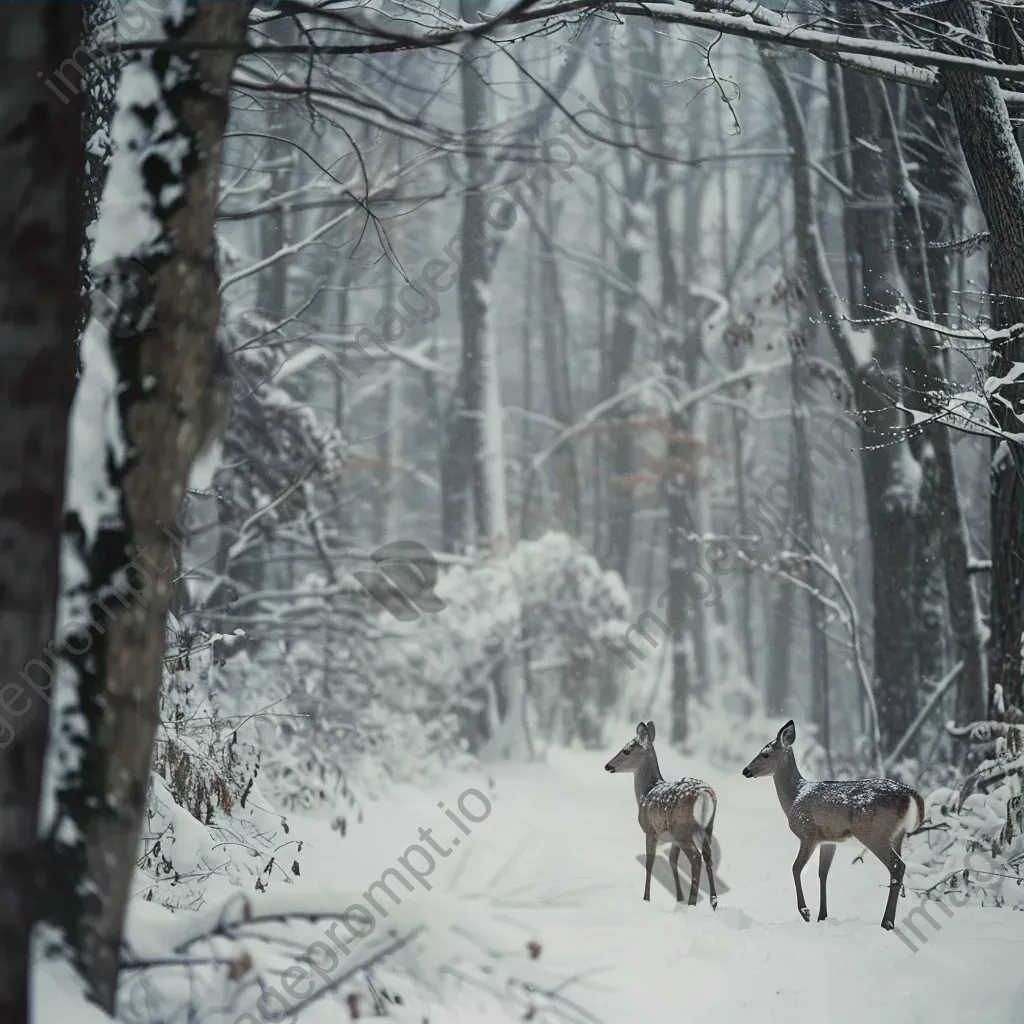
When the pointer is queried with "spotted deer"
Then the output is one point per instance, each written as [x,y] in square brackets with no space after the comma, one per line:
[677,809]
[877,812]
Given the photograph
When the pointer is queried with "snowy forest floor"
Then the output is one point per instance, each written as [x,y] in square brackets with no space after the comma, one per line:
[561,854]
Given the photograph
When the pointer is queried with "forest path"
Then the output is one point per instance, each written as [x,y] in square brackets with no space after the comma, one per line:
[561,852]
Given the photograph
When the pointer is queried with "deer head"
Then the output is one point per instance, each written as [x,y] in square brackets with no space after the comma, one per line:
[773,754]
[635,752]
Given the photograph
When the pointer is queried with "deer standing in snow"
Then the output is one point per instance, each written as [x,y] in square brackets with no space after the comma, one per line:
[677,808]
[877,812]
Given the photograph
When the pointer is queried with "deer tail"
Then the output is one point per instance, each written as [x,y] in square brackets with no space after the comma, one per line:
[704,810]
[913,821]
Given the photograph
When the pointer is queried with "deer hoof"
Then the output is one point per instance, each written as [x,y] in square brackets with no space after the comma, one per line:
[822,916]
[714,902]
[888,925]
[805,913]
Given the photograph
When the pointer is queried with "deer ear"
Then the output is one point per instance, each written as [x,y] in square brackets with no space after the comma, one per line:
[650,731]
[787,734]
[641,732]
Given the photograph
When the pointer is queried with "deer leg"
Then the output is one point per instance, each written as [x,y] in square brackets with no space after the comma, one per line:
[825,855]
[896,867]
[693,856]
[673,861]
[806,849]
[711,875]
[652,848]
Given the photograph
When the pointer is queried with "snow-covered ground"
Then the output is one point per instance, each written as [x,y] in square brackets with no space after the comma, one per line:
[557,860]
[559,851]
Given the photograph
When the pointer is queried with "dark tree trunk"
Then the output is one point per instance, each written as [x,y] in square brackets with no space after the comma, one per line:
[456,473]
[41,163]
[888,478]
[926,209]
[997,169]
[474,280]
[890,471]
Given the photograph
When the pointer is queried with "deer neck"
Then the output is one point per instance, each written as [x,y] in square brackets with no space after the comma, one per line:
[647,776]
[787,781]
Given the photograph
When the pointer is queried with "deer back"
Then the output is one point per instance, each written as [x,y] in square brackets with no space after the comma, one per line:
[871,810]
[676,806]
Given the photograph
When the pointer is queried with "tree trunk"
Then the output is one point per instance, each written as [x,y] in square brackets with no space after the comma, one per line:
[555,333]
[891,474]
[481,432]
[167,401]
[41,163]
[943,538]
[889,477]
[997,169]
[690,507]
[383,496]
[777,685]
[680,460]
[598,439]
[735,358]
[631,245]
[804,531]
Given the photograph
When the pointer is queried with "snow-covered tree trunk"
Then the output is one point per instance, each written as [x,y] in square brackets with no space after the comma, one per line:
[479,387]
[41,165]
[632,243]
[681,608]
[686,426]
[997,169]
[147,400]
[735,357]
[99,110]
[474,443]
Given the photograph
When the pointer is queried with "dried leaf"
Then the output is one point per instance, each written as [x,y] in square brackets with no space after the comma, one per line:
[239,967]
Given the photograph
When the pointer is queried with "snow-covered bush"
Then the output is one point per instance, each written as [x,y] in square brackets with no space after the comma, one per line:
[436,960]
[206,817]
[338,715]
[545,612]
[968,852]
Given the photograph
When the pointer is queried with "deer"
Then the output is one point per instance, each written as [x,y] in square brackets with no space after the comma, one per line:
[676,808]
[879,813]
